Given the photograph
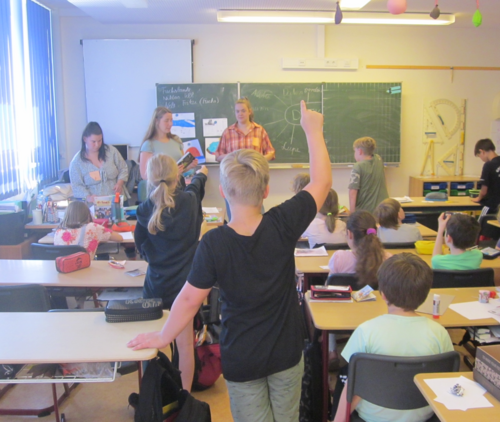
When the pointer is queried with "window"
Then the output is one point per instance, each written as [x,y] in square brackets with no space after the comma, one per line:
[28,142]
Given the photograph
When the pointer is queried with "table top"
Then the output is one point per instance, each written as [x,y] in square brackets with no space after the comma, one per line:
[99,274]
[348,316]
[312,264]
[48,239]
[456,202]
[495,223]
[64,337]
[485,414]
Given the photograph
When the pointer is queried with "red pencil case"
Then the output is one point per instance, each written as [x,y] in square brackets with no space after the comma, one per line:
[74,262]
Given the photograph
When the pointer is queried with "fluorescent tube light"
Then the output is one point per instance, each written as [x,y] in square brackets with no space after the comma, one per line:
[274,16]
[408,18]
[353,4]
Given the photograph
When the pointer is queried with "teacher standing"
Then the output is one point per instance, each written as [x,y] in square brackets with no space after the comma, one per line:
[244,134]
[98,169]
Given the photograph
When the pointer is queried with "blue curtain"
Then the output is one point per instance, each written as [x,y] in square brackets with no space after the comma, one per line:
[28,143]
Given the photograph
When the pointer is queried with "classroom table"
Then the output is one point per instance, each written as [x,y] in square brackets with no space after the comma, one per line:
[485,414]
[60,337]
[454,203]
[495,223]
[348,316]
[99,275]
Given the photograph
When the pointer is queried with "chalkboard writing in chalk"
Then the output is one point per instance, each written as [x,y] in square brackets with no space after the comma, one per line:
[351,110]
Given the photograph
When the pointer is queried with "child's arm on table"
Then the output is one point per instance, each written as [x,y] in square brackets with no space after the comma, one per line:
[319,161]
[438,246]
[116,237]
[183,310]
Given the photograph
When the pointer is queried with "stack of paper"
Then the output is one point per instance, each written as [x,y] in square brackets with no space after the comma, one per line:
[473,393]
[476,310]
[311,252]
[403,199]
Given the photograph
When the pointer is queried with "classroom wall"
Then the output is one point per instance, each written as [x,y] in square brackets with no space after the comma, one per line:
[252,53]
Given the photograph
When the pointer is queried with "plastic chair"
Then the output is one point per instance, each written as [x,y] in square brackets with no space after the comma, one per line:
[24,298]
[343,279]
[51,252]
[482,277]
[333,246]
[401,245]
[387,381]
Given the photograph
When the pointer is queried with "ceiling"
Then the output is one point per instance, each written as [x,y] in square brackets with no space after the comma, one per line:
[205,11]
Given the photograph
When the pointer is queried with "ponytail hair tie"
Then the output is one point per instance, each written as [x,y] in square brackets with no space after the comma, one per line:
[371,231]
[329,213]
[163,181]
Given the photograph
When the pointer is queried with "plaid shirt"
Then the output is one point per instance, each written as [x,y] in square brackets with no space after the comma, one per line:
[233,139]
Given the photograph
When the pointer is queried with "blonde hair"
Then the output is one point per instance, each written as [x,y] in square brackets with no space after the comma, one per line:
[244,176]
[249,106]
[330,208]
[151,132]
[162,180]
[366,144]
[387,213]
[77,215]
[300,181]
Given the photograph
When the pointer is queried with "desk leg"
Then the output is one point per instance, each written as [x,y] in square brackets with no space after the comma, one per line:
[139,373]
[326,387]
[56,404]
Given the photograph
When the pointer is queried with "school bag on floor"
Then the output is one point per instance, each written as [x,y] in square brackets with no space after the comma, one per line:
[162,399]
[207,361]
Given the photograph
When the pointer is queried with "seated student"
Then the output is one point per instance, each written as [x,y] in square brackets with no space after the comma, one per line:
[390,216]
[366,254]
[77,228]
[404,283]
[251,259]
[300,181]
[460,233]
[326,227]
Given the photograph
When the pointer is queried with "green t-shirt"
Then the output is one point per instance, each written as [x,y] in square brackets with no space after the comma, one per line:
[368,178]
[469,260]
[395,335]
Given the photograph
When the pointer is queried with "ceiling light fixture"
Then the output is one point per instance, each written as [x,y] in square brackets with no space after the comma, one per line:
[322,17]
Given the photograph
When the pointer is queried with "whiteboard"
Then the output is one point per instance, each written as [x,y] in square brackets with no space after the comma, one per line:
[121,78]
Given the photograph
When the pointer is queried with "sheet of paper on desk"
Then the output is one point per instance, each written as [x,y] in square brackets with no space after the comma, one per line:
[311,252]
[403,199]
[473,393]
[476,310]
[324,267]
[427,306]
[127,236]
[210,210]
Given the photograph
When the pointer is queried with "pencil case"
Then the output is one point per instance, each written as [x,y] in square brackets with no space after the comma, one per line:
[425,247]
[74,262]
[134,310]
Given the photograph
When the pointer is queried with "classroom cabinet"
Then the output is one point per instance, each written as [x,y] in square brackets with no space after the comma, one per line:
[451,185]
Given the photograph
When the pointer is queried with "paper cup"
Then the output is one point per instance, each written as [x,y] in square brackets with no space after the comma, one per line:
[37,216]
[484,296]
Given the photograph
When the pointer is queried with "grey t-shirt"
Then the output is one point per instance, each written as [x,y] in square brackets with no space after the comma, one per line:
[172,148]
[368,178]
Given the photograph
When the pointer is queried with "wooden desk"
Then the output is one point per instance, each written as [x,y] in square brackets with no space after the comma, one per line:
[99,275]
[454,203]
[348,316]
[426,232]
[495,223]
[486,414]
[60,337]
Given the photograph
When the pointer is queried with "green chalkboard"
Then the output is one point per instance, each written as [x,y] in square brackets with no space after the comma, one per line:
[353,110]
[210,102]
[277,107]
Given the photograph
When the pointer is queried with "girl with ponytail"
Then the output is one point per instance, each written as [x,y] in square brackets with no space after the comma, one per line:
[326,227]
[366,254]
[166,235]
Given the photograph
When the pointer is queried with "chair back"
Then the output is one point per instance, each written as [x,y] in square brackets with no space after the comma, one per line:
[387,381]
[343,279]
[333,246]
[24,298]
[51,252]
[399,245]
[482,277]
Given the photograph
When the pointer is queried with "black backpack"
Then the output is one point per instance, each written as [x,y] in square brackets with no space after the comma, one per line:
[162,399]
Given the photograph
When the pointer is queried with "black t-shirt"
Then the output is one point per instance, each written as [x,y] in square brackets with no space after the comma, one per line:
[261,319]
[490,177]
